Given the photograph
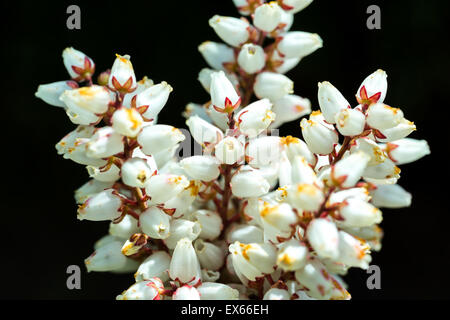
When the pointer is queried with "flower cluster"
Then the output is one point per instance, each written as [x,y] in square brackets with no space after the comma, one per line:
[254,215]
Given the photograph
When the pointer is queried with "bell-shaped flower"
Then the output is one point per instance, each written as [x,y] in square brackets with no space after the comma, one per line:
[264,150]
[385,170]
[223,94]
[186,292]
[107,173]
[79,65]
[272,85]
[69,139]
[296,44]
[155,223]
[104,143]
[231,30]
[331,101]
[143,290]
[320,137]
[267,16]
[136,172]
[407,150]
[400,131]
[184,266]
[127,122]
[122,76]
[244,232]
[205,168]
[163,187]
[93,99]
[390,196]
[217,55]
[348,171]
[373,89]
[155,265]
[182,228]
[353,252]
[180,204]
[255,118]
[229,150]
[203,132]
[107,257]
[249,183]
[76,151]
[142,85]
[315,278]
[217,291]
[289,108]
[280,217]
[303,196]
[370,148]
[357,212]
[210,223]
[253,260]
[381,116]
[51,92]
[294,6]
[125,228]
[105,205]
[159,137]
[350,122]
[251,58]
[153,99]
[89,188]
[292,255]
[211,256]
[323,237]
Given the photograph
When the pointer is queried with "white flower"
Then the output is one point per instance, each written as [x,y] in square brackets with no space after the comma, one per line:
[93,99]
[255,118]
[127,122]
[319,137]
[182,228]
[323,236]
[217,291]
[267,16]
[331,101]
[223,95]
[407,150]
[122,76]
[180,204]
[75,150]
[142,85]
[289,108]
[108,257]
[155,223]
[303,196]
[153,99]
[264,150]
[390,196]
[357,212]
[125,228]
[348,171]
[370,148]
[204,76]
[205,168]
[385,170]
[89,188]
[184,266]
[186,292]
[78,65]
[229,150]
[272,85]
[350,122]
[210,223]
[280,217]
[381,116]
[51,92]
[217,55]
[105,205]
[155,265]
[315,278]
[104,143]
[231,30]
[251,58]
[159,137]
[276,294]
[400,131]
[294,6]
[353,252]
[296,147]
[297,44]
[107,173]
[203,132]
[249,183]
[143,290]
[292,255]
[211,257]
[136,172]
[373,88]
[245,232]
[253,260]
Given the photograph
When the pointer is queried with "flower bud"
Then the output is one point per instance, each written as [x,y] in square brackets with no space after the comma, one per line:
[245,232]
[203,132]
[280,217]
[289,108]
[210,223]
[153,99]
[180,204]
[229,150]
[382,117]
[186,293]
[319,137]
[350,122]
[390,196]
[298,44]
[136,172]
[104,143]
[267,16]
[292,255]
[127,122]
[400,131]
[159,137]
[217,55]
[253,260]
[79,65]
[76,151]
[407,150]
[276,294]
[359,213]
[51,92]
[182,228]
[107,173]
[93,99]
[231,30]
[105,205]
[205,168]
[370,148]
[348,171]
[331,101]
[294,6]
[122,76]
[373,88]
[315,278]
[307,197]
[249,183]
[223,95]
[89,188]
[184,266]
[155,223]
[155,265]
[143,290]
[353,252]
[272,85]
[264,150]
[323,236]
[251,58]
[125,228]
[106,258]
[204,76]
[211,257]
[217,291]
[255,118]
[385,170]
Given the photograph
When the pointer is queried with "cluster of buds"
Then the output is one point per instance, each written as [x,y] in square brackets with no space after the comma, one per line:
[254,215]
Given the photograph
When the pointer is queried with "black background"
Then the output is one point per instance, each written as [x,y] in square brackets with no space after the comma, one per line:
[38,214]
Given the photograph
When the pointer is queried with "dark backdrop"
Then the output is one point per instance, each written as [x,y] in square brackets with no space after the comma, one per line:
[38,217]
